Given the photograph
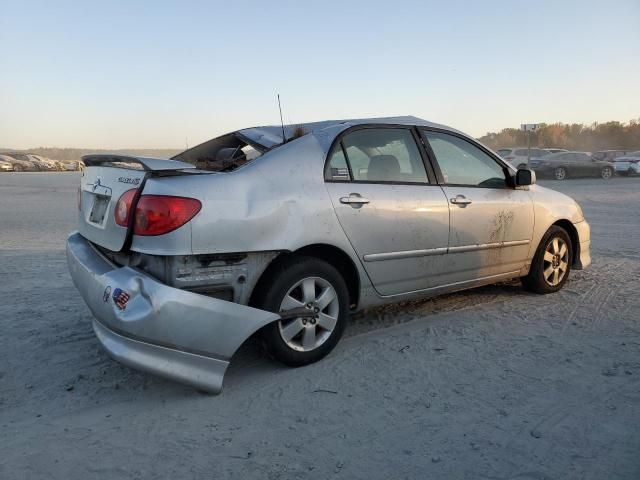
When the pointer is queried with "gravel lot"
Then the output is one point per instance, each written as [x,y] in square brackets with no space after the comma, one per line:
[490,383]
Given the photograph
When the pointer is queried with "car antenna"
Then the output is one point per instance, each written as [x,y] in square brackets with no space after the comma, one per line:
[284,138]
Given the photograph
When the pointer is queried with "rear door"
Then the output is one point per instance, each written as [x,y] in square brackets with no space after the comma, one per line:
[491,223]
[390,207]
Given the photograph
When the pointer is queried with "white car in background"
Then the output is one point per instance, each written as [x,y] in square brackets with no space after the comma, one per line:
[519,156]
[6,166]
[628,164]
[20,162]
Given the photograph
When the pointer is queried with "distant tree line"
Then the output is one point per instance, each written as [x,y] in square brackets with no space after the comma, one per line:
[575,136]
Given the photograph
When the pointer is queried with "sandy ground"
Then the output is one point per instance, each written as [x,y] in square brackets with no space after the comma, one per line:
[492,383]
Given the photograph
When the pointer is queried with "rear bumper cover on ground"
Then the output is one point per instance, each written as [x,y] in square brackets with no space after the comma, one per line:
[166,331]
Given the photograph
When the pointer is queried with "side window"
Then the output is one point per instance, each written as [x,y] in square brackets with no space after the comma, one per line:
[337,169]
[462,163]
[384,155]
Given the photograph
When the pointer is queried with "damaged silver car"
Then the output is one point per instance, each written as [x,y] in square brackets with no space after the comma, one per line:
[287,230]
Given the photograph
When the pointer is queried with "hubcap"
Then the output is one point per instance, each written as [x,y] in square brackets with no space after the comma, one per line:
[555,261]
[560,174]
[606,173]
[320,298]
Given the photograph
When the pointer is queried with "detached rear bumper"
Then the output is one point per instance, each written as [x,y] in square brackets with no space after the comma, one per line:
[166,331]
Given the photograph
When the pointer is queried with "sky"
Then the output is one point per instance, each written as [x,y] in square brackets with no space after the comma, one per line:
[165,74]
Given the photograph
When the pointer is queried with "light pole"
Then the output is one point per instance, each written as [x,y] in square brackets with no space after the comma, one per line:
[529,127]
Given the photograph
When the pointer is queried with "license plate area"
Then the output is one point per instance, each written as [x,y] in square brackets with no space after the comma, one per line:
[99,209]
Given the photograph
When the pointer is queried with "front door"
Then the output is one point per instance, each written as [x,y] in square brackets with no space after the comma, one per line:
[491,223]
[395,216]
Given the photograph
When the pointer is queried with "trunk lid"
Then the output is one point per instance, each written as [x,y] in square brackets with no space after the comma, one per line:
[105,179]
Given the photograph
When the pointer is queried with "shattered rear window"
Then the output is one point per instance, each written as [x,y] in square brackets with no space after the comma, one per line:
[222,154]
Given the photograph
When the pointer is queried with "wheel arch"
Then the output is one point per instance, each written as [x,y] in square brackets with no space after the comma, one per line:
[333,255]
[573,235]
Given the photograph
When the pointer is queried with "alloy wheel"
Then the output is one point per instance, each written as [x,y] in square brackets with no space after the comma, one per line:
[309,332]
[606,172]
[560,173]
[555,261]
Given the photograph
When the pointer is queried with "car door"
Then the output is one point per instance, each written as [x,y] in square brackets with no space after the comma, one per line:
[588,166]
[491,223]
[391,209]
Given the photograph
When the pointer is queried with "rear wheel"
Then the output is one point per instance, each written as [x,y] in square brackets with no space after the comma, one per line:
[606,173]
[551,264]
[560,173]
[312,297]
[17,168]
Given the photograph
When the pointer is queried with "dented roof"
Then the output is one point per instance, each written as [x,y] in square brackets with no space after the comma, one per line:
[271,135]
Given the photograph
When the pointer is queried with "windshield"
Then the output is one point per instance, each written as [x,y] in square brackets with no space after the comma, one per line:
[222,154]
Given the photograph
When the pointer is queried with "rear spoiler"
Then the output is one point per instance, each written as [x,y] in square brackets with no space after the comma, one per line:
[134,163]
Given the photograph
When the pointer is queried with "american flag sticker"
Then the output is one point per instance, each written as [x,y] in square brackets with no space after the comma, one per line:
[120,298]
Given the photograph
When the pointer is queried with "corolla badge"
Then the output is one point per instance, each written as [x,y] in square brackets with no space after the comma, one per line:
[129,180]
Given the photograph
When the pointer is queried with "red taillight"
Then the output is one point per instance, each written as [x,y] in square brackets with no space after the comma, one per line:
[123,208]
[160,214]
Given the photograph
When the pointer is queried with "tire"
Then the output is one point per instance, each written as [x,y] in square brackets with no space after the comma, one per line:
[17,168]
[301,282]
[606,173]
[547,274]
[560,173]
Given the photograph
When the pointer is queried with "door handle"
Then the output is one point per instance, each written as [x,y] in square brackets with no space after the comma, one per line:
[354,199]
[460,200]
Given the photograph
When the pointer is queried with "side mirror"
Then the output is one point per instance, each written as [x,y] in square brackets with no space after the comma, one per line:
[524,177]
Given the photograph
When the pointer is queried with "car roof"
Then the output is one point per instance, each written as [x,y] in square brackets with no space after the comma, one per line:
[271,135]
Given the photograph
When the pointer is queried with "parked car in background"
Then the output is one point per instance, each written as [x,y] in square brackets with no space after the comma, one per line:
[609,155]
[288,236]
[518,156]
[46,163]
[571,164]
[556,150]
[20,162]
[70,165]
[6,166]
[628,164]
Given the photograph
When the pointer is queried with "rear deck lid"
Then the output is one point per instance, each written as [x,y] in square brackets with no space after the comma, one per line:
[105,179]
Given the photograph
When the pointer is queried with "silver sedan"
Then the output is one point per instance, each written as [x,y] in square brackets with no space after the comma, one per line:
[284,231]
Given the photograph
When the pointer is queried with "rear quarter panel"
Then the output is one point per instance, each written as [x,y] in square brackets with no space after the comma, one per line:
[278,202]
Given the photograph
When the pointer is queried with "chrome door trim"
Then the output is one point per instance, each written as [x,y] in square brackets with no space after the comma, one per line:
[487,246]
[378,257]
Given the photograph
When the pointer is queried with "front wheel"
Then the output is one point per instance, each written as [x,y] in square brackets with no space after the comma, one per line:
[313,299]
[606,173]
[551,264]
[560,173]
